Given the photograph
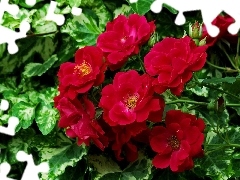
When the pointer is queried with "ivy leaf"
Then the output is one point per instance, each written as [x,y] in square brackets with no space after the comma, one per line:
[60,158]
[38,69]
[141,7]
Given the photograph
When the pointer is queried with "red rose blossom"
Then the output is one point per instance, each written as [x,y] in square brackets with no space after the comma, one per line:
[129,99]
[87,71]
[179,142]
[172,61]
[77,116]
[122,38]
[222,22]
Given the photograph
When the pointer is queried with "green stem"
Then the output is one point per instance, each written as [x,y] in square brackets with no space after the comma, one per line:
[225,92]
[229,70]
[229,58]
[186,101]
[237,54]
[197,103]
[41,34]
[141,62]
[213,87]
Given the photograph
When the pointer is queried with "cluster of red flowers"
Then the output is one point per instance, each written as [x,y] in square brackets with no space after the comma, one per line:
[132,100]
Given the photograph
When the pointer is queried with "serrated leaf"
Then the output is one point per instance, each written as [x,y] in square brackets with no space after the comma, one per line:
[141,7]
[46,118]
[60,158]
[38,69]
[25,112]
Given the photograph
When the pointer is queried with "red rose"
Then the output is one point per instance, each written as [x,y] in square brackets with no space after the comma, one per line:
[87,71]
[122,38]
[179,142]
[129,99]
[222,22]
[173,61]
[77,116]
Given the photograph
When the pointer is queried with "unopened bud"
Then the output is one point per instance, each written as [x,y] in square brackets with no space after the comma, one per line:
[153,39]
[195,30]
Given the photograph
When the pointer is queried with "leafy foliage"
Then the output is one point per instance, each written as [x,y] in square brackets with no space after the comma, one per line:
[28,80]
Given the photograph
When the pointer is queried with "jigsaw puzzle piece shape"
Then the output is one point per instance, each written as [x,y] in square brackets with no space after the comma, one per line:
[12,9]
[4,170]
[31,169]
[9,36]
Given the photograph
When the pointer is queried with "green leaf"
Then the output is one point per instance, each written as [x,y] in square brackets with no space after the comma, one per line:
[46,118]
[124,10]
[140,169]
[25,112]
[215,119]
[172,10]
[217,162]
[103,165]
[84,29]
[2,49]
[21,141]
[38,69]
[60,158]
[28,47]
[141,7]
[214,80]
[75,173]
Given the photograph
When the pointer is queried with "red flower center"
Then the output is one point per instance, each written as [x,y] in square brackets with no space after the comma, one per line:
[131,101]
[83,69]
[174,143]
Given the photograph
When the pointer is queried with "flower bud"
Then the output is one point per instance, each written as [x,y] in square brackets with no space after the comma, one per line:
[195,30]
[153,39]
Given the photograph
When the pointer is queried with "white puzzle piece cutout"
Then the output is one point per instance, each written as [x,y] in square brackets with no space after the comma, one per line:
[51,16]
[31,171]
[12,121]
[210,9]
[4,170]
